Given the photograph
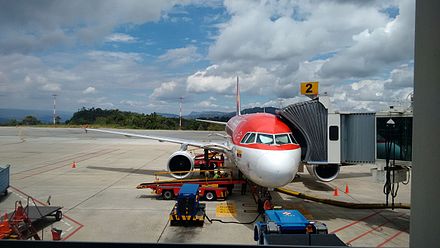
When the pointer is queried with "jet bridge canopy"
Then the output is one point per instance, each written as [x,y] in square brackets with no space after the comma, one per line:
[355,133]
[308,121]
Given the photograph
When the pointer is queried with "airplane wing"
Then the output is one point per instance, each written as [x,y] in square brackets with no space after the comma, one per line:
[204,145]
[214,122]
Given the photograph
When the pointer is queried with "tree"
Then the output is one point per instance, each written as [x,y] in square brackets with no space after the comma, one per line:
[57,120]
[30,120]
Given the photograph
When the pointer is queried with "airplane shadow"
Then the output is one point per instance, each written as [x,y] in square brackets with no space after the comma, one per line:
[4,197]
[128,170]
[373,218]
[354,175]
[312,184]
[144,196]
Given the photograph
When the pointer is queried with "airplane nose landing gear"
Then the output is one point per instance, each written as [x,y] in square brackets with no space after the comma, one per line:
[262,197]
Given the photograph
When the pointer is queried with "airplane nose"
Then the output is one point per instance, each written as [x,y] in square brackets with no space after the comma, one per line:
[278,168]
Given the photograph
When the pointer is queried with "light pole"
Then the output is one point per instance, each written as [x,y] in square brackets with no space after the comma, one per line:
[54,107]
[180,112]
[389,187]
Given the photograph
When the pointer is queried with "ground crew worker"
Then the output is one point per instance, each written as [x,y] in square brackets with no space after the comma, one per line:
[217,175]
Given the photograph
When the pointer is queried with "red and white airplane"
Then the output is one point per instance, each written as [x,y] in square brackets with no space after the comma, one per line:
[260,145]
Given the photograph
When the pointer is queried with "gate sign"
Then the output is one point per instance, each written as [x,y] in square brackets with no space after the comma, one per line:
[309,88]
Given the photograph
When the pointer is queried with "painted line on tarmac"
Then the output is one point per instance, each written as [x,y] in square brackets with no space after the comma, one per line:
[79,160]
[66,158]
[74,231]
[44,204]
[392,237]
[372,229]
[355,222]
[66,223]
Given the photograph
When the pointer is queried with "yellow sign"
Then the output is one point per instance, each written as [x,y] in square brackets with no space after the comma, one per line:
[309,88]
[225,210]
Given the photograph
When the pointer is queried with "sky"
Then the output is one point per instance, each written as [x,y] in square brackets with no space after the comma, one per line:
[142,56]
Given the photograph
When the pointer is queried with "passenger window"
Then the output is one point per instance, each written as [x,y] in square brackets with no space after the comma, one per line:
[265,139]
[334,133]
[251,138]
[245,137]
[282,139]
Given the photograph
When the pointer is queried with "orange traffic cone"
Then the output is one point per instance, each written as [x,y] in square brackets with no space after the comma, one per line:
[336,193]
[74,164]
[347,190]
[5,228]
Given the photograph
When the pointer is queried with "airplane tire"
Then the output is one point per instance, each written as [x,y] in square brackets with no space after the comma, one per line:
[210,196]
[58,215]
[167,195]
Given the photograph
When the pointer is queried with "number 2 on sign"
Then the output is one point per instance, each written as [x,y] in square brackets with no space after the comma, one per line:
[309,88]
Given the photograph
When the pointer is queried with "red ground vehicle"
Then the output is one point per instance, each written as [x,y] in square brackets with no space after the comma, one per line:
[210,189]
[209,161]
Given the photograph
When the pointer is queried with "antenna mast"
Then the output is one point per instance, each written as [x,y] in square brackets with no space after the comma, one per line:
[180,112]
[54,107]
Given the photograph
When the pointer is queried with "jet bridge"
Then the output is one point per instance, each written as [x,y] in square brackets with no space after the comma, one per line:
[329,139]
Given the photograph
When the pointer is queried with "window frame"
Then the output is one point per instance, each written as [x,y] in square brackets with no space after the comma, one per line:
[248,136]
[288,137]
[268,134]
[245,137]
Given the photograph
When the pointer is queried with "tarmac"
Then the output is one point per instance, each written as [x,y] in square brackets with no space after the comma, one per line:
[101,203]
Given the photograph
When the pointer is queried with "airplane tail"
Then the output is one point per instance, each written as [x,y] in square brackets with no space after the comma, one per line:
[238,99]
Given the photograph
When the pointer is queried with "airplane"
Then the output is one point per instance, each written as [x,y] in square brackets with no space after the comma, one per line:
[260,145]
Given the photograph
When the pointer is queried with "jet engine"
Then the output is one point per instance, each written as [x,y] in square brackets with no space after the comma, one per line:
[323,172]
[180,161]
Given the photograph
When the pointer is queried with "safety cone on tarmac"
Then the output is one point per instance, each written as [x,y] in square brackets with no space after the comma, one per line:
[336,192]
[347,190]
[74,164]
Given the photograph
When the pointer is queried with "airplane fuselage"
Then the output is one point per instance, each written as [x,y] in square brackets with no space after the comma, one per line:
[264,149]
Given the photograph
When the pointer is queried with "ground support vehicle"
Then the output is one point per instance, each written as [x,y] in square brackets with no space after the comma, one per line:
[210,189]
[188,211]
[209,160]
[19,223]
[290,227]
[4,179]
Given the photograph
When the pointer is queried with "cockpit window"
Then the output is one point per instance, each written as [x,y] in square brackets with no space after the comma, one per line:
[293,139]
[268,139]
[282,139]
[245,137]
[265,139]
[250,139]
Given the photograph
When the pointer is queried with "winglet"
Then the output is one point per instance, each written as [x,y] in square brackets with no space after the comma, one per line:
[238,99]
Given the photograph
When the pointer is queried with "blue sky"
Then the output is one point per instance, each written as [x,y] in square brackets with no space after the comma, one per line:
[143,55]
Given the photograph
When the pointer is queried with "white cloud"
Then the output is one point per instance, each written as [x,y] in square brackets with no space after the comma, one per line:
[168,91]
[119,37]
[401,77]
[275,45]
[51,87]
[204,81]
[359,54]
[181,56]
[26,80]
[132,103]
[40,25]
[89,90]
[375,95]
[207,104]
[373,50]
[253,34]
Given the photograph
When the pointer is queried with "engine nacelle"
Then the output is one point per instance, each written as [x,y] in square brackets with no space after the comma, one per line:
[180,161]
[323,172]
